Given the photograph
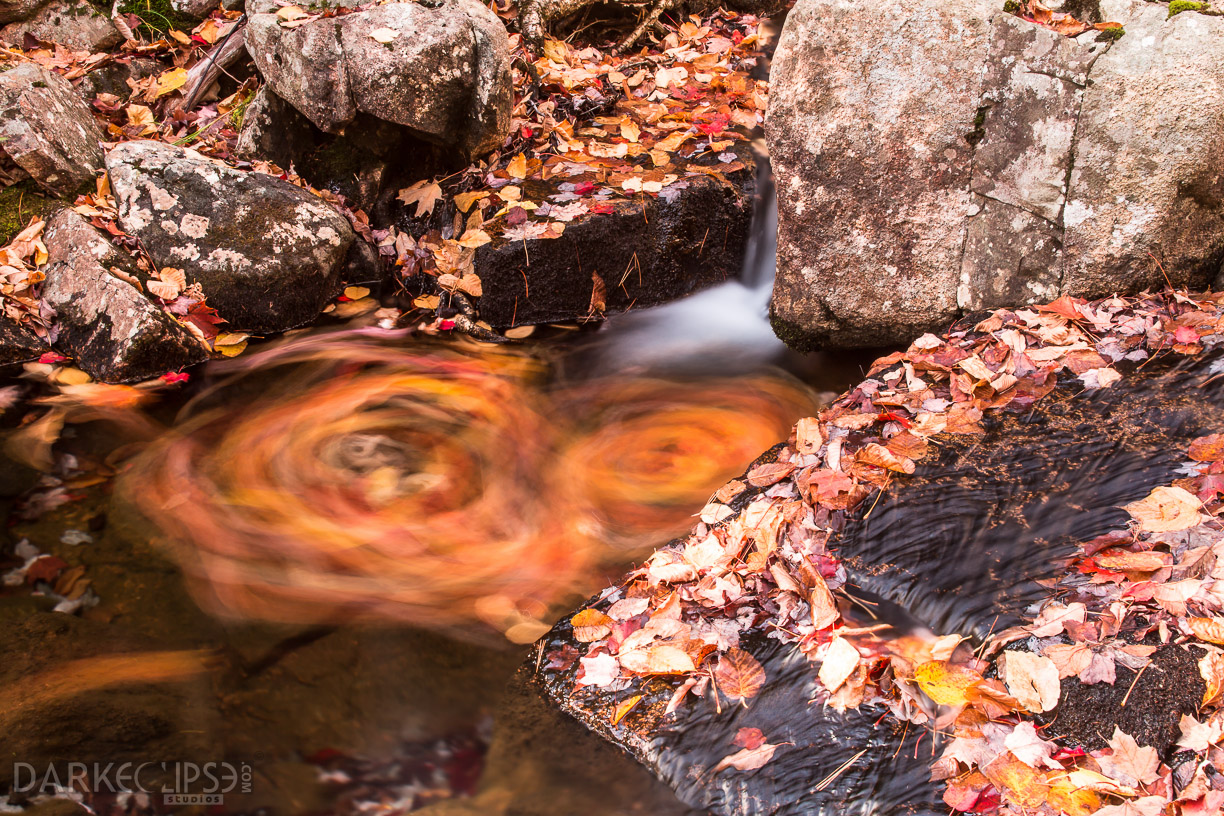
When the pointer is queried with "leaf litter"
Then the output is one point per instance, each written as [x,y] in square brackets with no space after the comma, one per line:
[1156,582]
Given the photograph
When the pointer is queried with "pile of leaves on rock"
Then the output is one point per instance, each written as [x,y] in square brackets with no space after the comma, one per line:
[766,566]
[600,128]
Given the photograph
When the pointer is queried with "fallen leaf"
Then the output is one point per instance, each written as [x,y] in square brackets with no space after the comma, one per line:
[946,683]
[1130,763]
[840,661]
[739,675]
[748,759]
[749,738]
[662,658]
[1208,629]
[1166,509]
[384,35]
[1031,679]
[591,625]
[769,473]
[625,707]
[517,168]
[808,439]
[422,196]
[170,81]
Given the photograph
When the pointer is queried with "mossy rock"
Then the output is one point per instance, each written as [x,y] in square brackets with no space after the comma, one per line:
[157,16]
[20,203]
[1178,6]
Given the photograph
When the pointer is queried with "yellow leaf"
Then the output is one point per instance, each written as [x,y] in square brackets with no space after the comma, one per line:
[946,683]
[287,13]
[356,292]
[625,707]
[232,349]
[474,238]
[180,37]
[630,130]
[427,301]
[470,283]
[591,625]
[556,51]
[1018,782]
[1066,798]
[517,168]
[659,659]
[423,195]
[384,35]
[464,201]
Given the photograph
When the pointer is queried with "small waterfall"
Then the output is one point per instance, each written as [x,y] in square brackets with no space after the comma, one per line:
[725,326]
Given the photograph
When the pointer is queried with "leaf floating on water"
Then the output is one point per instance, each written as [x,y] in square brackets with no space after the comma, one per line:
[1208,448]
[1166,509]
[748,759]
[739,675]
[591,625]
[749,738]
[840,662]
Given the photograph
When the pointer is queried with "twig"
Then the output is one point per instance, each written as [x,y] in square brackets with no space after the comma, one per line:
[841,769]
[226,52]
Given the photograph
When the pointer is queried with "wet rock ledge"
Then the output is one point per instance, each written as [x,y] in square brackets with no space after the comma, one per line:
[1013,527]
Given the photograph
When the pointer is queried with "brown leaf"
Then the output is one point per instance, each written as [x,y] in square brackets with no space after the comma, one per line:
[663,658]
[1208,629]
[422,196]
[807,435]
[1031,679]
[1130,764]
[880,456]
[824,608]
[739,675]
[599,294]
[769,473]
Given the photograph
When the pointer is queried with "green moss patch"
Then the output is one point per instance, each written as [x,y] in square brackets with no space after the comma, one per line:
[20,203]
[1178,6]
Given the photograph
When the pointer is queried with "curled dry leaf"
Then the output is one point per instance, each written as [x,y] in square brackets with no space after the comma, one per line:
[739,675]
[808,438]
[1208,629]
[591,625]
[880,456]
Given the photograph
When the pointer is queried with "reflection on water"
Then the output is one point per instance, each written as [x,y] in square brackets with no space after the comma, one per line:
[372,480]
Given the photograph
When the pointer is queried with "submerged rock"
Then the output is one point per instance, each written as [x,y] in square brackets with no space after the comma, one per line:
[113,331]
[267,253]
[933,160]
[444,72]
[46,130]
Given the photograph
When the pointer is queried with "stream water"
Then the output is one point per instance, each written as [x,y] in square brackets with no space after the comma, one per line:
[321,562]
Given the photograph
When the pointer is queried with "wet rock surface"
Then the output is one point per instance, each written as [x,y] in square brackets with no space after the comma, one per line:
[960,546]
[17,345]
[646,253]
[46,131]
[444,76]
[1005,164]
[266,252]
[113,331]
